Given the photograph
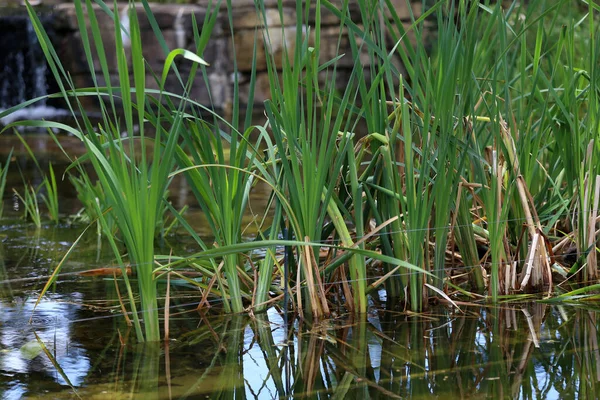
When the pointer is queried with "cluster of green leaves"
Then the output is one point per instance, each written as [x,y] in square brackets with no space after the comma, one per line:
[489,142]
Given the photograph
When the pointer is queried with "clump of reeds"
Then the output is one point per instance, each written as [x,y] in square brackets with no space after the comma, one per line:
[476,172]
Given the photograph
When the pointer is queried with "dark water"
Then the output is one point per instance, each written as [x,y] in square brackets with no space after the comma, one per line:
[525,351]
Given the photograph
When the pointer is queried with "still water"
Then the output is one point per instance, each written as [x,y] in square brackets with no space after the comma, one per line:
[77,344]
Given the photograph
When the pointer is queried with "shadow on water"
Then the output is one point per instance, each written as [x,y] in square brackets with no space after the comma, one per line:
[78,345]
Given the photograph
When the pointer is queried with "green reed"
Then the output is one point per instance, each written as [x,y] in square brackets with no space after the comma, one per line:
[476,166]
[477,116]
[218,169]
[133,170]
[307,120]
[3,174]
[29,199]
[47,190]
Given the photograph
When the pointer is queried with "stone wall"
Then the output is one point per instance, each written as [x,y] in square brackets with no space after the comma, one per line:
[175,22]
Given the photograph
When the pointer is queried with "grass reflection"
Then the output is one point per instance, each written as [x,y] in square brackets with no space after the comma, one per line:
[530,351]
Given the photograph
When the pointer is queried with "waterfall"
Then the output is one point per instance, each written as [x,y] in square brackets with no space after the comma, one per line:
[24,73]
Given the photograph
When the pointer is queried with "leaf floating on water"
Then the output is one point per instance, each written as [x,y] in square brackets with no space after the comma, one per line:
[31,350]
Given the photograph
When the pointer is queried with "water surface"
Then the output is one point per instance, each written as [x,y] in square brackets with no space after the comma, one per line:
[78,345]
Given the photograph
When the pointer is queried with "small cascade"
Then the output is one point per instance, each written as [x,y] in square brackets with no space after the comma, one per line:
[179,29]
[125,23]
[24,74]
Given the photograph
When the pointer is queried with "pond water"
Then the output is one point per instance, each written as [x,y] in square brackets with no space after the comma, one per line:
[77,344]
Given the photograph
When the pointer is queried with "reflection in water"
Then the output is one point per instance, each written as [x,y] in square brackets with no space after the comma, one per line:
[22,357]
[532,351]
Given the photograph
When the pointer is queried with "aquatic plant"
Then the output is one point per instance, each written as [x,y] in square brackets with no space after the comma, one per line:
[306,117]
[475,167]
[3,174]
[47,190]
[133,176]
[31,206]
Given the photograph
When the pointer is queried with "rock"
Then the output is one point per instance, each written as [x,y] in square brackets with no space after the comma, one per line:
[175,22]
